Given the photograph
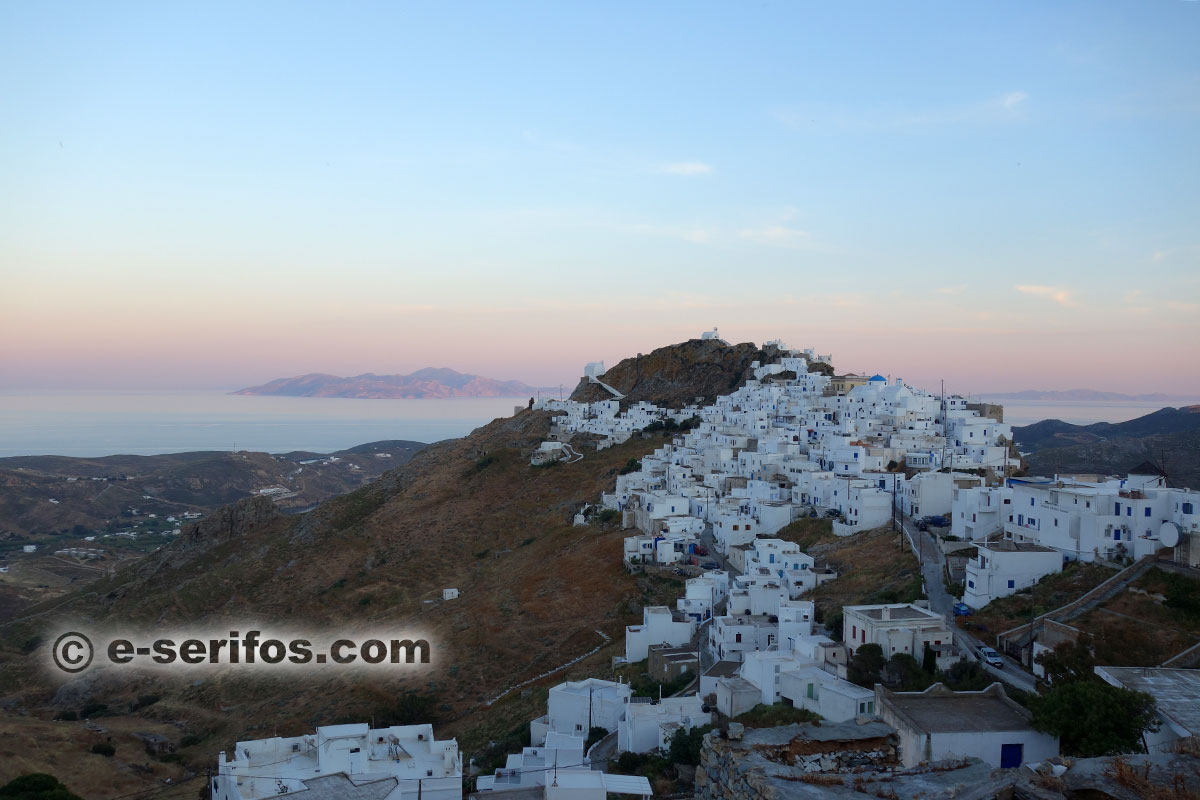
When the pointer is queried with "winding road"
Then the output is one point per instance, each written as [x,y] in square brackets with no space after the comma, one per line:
[933,564]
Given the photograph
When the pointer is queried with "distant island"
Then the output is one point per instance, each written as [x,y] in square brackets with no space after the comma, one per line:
[431,382]
[1084,395]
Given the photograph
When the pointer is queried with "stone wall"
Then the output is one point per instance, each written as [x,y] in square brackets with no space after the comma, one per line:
[767,763]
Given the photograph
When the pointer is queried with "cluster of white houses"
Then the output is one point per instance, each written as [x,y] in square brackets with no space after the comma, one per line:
[789,443]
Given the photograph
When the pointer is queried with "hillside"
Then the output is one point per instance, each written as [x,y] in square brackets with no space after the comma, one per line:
[1056,433]
[469,513]
[430,382]
[127,506]
[676,375]
[1169,437]
[97,493]
[1178,453]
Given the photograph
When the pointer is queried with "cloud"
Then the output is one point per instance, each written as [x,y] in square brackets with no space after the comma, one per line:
[1058,295]
[951,289]
[775,236]
[1013,100]
[686,168]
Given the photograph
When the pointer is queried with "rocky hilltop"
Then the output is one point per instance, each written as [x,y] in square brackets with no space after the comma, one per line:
[430,382]
[679,374]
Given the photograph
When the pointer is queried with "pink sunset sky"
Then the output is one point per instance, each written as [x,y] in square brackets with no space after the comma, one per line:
[216,196]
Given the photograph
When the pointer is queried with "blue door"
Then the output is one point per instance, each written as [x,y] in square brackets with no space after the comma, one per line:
[1011,755]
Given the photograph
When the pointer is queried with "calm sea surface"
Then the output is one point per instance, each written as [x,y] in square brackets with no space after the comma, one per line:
[148,422]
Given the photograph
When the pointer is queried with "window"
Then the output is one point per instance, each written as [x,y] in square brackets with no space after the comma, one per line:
[1012,584]
[1118,511]
[1031,501]
[578,727]
[970,584]
[810,692]
[1187,508]
[737,637]
[1147,511]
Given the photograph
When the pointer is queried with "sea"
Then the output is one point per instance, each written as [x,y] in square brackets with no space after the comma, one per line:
[99,423]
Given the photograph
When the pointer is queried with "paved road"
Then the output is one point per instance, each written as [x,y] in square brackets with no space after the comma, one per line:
[941,601]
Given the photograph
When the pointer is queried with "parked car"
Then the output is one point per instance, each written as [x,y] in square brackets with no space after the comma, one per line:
[922,525]
[989,656]
[937,522]
[710,565]
[962,610]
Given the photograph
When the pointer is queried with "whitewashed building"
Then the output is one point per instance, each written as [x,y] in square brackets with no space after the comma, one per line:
[337,758]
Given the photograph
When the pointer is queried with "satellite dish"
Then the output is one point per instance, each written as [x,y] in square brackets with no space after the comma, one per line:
[1168,534]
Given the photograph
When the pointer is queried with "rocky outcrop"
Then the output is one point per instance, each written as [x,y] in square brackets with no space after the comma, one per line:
[680,374]
[228,522]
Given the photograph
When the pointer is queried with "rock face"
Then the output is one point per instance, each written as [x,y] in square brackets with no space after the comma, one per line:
[676,375]
[229,522]
[783,762]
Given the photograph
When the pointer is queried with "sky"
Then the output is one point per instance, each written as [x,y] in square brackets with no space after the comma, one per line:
[211,195]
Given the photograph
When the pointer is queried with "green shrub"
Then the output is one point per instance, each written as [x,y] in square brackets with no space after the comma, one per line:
[36,786]
[104,749]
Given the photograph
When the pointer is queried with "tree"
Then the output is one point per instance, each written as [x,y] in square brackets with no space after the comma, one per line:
[929,660]
[1068,663]
[865,665]
[36,786]
[685,745]
[903,673]
[1094,719]
[595,734]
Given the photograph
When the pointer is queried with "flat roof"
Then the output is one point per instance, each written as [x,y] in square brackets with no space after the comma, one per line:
[896,612]
[1009,546]
[964,712]
[723,669]
[1177,691]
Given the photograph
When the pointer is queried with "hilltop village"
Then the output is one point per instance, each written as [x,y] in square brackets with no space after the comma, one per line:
[743,640]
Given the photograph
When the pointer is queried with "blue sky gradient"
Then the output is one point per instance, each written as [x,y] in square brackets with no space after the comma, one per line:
[1004,195]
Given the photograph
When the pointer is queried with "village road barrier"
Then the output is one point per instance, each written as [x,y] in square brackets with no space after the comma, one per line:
[73,652]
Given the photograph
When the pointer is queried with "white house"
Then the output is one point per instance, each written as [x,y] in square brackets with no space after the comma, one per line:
[835,699]
[575,707]
[1176,693]
[732,636]
[651,725]
[531,766]
[895,627]
[659,626]
[939,725]
[339,757]
[1003,567]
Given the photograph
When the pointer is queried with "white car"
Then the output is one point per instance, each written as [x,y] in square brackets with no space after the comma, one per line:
[989,656]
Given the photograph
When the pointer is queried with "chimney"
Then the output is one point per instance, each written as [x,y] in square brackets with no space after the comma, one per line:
[887,612]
